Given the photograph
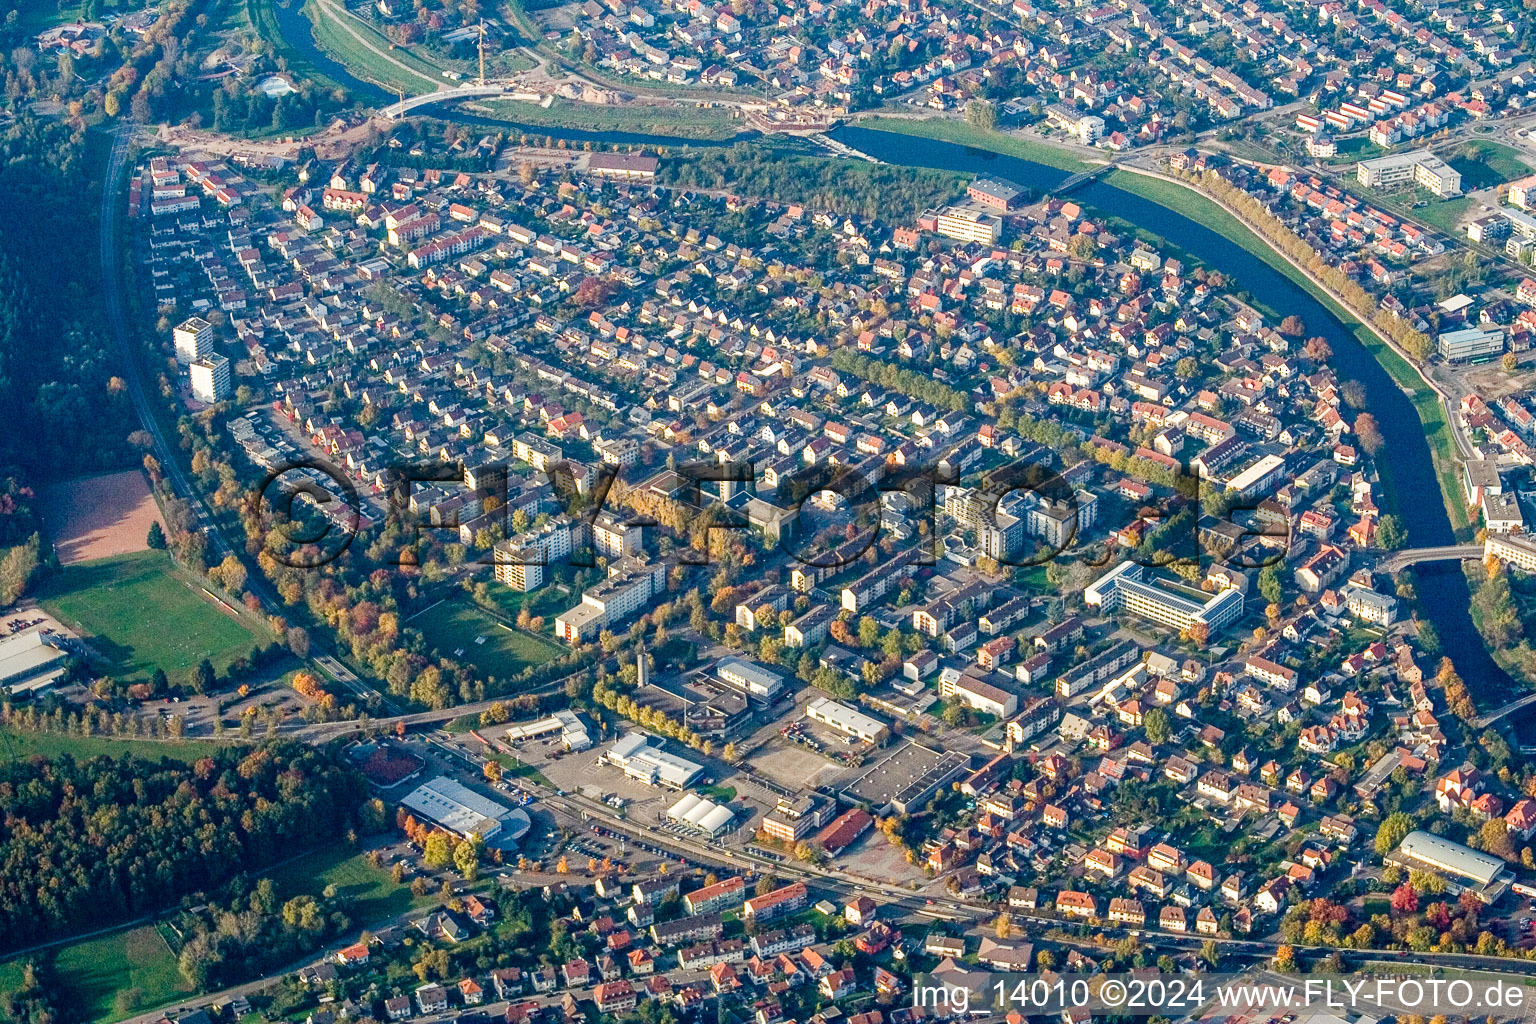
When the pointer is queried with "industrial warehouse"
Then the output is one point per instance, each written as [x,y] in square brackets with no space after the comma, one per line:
[1464,869]
[640,760]
[456,808]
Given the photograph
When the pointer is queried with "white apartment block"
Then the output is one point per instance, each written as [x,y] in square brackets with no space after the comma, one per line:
[193,338]
[629,588]
[1420,167]
[212,380]
[969,224]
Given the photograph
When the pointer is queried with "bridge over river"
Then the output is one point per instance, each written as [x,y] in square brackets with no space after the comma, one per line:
[399,109]
[1081,178]
[1399,560]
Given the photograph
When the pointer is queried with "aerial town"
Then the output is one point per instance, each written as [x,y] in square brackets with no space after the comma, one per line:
[585,512]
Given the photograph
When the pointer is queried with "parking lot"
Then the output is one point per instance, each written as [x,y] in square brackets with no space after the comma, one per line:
[833,744]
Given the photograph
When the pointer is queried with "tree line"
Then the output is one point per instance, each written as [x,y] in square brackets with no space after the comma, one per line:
[911,383]
[1359,301]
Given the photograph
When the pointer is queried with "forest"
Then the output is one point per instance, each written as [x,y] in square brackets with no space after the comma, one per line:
[67,411]
[83,844]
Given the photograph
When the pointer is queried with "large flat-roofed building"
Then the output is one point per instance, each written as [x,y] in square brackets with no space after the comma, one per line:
[640,760]
[906,780]
[1002,538]
[1129,587]
[622,166]
[1089,128]
[968,224]
[1260,476]
[795,817]
[629,587]
[1464,869]
[458,809]
[1470,343]
[1480,477]
[537,452]
[28,662]
[519,561]
[756,681]
[847,720]
[615,536]
[999,195]
[211,379]
[1058,522]
[1420,167]
[193,338]
[1515,549]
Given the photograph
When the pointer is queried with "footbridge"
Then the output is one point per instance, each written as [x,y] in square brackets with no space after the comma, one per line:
[1081,178]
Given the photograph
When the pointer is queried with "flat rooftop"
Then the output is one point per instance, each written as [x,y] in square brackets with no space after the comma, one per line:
[456,807]
[904,775]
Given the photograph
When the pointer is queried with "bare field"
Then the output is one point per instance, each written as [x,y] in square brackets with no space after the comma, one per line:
[875,858]
[794,767]
[1492,381]
[99,516]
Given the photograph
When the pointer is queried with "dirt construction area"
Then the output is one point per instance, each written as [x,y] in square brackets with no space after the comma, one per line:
[97,516]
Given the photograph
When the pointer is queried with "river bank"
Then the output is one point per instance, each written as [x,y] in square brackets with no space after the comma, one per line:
[1188,201]
[944,129]
[290,27]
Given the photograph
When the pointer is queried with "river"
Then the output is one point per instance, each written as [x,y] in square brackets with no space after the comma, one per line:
[1415,490]
[1412,471]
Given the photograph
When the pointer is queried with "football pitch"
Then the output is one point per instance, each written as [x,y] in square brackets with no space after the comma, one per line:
[139,611]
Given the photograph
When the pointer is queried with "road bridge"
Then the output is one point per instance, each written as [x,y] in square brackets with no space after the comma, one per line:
[1484,720]
[1399,560]
[397,110]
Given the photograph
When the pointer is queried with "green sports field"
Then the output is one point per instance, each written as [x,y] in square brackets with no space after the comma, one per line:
[453,626]
[142,612]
